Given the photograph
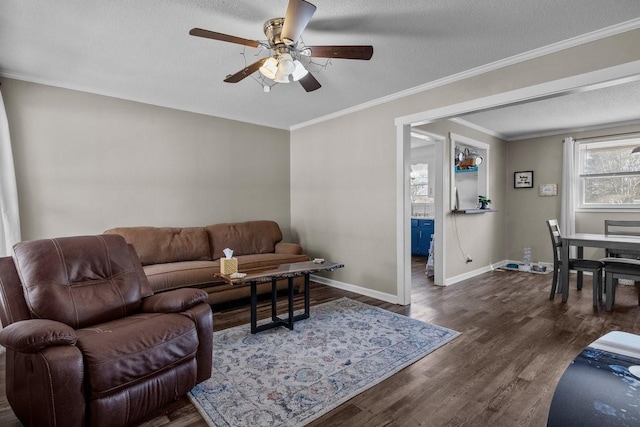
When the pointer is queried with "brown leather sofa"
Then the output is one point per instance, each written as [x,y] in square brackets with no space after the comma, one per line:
[178,257]
[88,343]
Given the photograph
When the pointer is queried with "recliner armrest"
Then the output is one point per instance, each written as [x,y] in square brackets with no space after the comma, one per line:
[174,301]
[32,335]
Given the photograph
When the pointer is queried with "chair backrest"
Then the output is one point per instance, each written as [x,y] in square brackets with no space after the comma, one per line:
[556,238]
[622,228]
[80,281]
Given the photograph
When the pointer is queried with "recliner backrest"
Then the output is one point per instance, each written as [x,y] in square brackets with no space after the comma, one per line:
[79,281]
[13,307]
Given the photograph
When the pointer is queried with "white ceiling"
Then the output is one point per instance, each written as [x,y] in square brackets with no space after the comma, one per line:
[603,107]
[141,50]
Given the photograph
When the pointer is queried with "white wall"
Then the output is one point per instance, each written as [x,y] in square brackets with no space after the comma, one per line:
[85,163]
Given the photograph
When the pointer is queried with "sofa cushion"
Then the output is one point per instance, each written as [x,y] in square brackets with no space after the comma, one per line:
[79,281]
[244,238]
[157,245]
[124,351]
[174,275]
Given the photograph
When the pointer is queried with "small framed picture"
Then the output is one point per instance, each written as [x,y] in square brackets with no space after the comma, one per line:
[549,190]
[523,179]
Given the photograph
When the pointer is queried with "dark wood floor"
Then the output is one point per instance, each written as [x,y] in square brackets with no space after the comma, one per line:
[502,370]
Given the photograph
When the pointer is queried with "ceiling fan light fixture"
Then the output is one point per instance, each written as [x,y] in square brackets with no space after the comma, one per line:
[299,72]
[286,67]
[269,68]
[285,64]
[281,76]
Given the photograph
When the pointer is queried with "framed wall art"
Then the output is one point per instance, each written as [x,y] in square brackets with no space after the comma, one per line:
[523,179]
[549,190]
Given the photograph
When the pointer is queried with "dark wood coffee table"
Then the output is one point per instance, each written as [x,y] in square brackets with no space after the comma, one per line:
[284,271]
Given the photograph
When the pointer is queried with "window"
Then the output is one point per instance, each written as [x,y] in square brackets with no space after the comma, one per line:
[420,184]
[608,174]
[422,202]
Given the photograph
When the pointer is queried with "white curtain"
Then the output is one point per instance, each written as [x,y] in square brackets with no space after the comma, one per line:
[568,202]
[9,218]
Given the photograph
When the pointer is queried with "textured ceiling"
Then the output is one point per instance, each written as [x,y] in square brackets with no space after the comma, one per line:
[604,107]
[141,50]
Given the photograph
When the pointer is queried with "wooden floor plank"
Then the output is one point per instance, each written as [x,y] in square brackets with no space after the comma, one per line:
[502,370]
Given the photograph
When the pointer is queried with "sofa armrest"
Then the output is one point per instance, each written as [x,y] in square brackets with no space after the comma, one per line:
[174,301]
[288,248]
[32,335]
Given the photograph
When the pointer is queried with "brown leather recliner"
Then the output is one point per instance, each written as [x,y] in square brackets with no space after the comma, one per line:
[87,341]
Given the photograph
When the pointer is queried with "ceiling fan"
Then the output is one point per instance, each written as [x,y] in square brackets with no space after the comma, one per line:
[283,64]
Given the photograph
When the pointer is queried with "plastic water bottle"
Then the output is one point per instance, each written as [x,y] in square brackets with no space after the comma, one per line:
[526,260]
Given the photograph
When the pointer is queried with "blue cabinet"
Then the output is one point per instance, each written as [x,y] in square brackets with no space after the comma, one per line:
[421,231]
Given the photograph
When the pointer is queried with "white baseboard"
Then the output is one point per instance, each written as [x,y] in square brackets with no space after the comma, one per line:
[393,299]
[470,274]
[486,269]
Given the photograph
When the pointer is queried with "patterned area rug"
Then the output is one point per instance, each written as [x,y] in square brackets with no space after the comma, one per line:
[280,377]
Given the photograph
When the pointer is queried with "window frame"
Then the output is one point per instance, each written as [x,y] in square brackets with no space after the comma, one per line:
[630,141]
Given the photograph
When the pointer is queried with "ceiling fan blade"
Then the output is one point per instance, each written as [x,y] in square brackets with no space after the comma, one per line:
[199,32]
[344,52]
[246,72]
[309,83]
[299,13]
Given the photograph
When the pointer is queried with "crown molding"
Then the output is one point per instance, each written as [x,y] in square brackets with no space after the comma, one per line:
[573,130]
[478,128]
[526,56]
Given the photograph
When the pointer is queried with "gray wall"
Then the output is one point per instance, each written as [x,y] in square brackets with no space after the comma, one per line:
[476,235]
[343,170]
[85,163]
[528,210]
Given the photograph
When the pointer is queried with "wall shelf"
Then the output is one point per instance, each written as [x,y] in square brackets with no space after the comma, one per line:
[473,211]
[468,170]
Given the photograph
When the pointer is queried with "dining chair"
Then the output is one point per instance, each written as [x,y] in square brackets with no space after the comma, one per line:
[619,268]
[593,266]
[622,228]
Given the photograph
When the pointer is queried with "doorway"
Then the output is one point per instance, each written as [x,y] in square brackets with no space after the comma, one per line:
[422,213]
[403,146]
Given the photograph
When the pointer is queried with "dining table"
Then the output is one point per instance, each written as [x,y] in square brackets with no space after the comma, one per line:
[590,240]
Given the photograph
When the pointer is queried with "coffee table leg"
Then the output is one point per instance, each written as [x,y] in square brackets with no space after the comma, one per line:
[254,308]
[304,315]
[306,294]
[290,290]
[274,300]
[275,320]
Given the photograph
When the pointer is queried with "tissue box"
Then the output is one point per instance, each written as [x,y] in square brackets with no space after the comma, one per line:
[228,265]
